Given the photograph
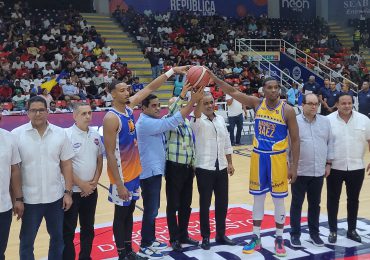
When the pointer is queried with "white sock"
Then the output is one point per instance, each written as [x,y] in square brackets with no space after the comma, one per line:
[257,231]
[279,232]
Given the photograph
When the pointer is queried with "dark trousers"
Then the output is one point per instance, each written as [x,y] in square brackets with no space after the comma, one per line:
[5,221]
[179,193]
[238,121]
[209,182]
[151,192]
[31,220]
[312,186]
[122,227]
[84,209]
[334,182]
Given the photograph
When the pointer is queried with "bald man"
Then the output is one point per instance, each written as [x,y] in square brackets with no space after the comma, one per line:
[179,176]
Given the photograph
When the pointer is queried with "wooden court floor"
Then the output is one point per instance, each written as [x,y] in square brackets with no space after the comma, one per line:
[238,194]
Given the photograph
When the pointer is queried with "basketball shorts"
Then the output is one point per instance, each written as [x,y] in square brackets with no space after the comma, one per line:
[132,186]
[269,173]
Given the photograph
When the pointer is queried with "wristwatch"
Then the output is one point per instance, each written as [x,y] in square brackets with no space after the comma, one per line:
[69,192]
[20,199]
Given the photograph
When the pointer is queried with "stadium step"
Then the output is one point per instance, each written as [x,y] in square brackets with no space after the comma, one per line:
[122,43]
[343,34]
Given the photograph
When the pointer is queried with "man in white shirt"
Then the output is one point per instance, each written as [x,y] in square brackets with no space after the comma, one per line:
[46,155]
[112,56]
[88,64]
[106,63]
[351,131]
[235,117]
[87,167]
[10,176]
[213,164]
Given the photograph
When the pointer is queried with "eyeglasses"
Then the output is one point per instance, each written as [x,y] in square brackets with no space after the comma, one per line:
[35,111]
[312,104]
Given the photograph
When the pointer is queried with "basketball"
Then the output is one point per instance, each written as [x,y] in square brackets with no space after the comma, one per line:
[198,76]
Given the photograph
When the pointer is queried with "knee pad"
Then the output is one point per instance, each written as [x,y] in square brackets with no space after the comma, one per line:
[279,210]
[259,207]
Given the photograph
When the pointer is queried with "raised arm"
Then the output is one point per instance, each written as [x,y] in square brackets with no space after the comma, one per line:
[249,101]
[155,84]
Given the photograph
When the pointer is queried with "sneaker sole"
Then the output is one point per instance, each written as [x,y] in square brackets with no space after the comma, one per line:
[248,252]
[319,245]
[281,255]
[252,250]
[147,256]
[158,248]
[295,246]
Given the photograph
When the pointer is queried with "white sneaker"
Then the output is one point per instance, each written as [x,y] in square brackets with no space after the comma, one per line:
[149,253]
[158,245]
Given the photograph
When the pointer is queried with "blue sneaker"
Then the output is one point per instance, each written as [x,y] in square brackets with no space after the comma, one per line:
[158,245]
[149,253]
[253,245]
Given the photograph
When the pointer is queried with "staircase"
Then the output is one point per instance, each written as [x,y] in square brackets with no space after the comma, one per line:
[345,37]
[344,34]
[128,50]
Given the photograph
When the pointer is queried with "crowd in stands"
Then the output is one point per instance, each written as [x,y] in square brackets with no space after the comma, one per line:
[37,45]
[185,38]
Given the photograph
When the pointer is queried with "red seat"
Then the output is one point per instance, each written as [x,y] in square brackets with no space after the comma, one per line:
[8,106]
[60,103]
[98,102]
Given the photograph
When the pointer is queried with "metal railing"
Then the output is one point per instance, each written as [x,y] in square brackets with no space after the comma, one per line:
[283,46]
[265,65]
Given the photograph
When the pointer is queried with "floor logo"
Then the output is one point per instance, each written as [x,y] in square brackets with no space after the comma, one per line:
[239,226]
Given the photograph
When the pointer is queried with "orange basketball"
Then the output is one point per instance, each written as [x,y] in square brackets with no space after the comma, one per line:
[198,76]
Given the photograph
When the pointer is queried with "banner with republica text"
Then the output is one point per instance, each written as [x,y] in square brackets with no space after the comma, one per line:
[230,8]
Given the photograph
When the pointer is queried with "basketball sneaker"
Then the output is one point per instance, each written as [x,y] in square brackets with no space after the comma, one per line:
[158,245]
[279,247]
[253,245]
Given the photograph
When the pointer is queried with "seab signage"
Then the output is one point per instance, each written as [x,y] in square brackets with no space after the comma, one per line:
[341,10]
[298,9]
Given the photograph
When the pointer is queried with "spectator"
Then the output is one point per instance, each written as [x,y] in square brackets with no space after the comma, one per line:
[107,98]
[94,107]
[136,85]
[53,108]
[331,97]
[19,101]
[178,85]
[48,98]
[112,56]
[71,91]
[364,99]
[311,86]
[235,118]
[292,95]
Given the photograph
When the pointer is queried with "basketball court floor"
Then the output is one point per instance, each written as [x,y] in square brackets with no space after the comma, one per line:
[239,225]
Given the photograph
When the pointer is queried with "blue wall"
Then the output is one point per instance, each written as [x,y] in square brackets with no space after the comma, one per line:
[296,70]
[298,9]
